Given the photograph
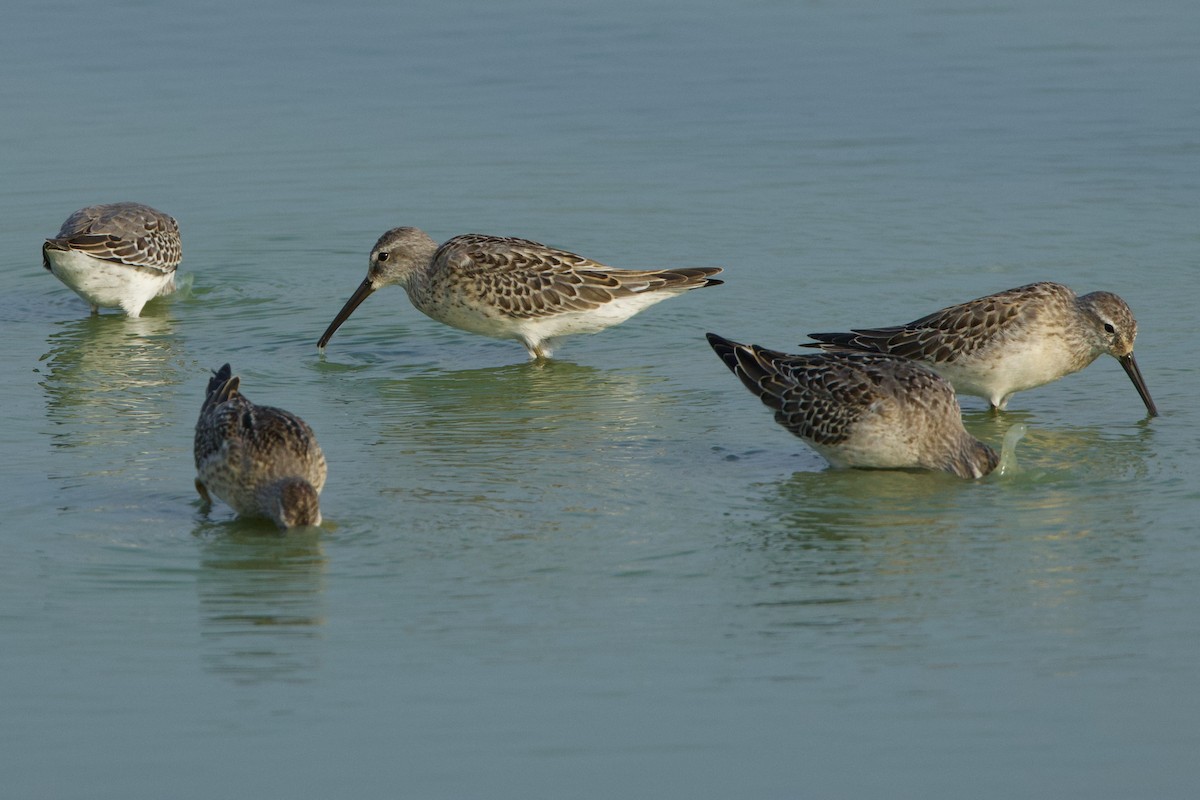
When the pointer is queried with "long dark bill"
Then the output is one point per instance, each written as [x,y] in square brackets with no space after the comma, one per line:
[363,291]
[1135,375]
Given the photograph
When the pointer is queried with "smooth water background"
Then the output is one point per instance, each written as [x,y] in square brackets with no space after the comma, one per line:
[613,575]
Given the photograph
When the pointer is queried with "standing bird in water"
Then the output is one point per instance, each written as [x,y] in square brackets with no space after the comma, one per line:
[862,409]
[513,288]
[1004,343]
[116,255]
[262,461]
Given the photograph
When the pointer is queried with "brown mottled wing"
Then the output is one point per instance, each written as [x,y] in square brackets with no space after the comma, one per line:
[947,335]
[817,397]
[256,439]
[529,280]
[126,233]
[279,430]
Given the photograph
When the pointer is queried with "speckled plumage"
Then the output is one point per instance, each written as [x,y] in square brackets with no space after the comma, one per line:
[862,409]
[116,255]
[513,288]
[1004,343]
[262,461]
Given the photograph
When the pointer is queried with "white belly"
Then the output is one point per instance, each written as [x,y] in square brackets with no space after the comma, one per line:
[535,331]
[106,284]
[999,373]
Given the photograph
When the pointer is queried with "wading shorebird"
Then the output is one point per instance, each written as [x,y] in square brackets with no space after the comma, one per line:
[1007,342]
[513,288]
[116,255]
[862,409]
[262,461]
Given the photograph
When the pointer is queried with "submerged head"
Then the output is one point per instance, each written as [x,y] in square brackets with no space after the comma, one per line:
[974,459]
[1115,330]
[395,257]
[293,503]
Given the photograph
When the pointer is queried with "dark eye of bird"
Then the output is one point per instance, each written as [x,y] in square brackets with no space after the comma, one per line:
[1108,328]
[383,256]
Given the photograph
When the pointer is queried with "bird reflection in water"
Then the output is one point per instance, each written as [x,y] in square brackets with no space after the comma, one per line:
[105,377]
[261,601]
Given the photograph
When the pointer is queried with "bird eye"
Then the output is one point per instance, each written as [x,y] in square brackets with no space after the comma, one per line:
[384,257]
[1108,328]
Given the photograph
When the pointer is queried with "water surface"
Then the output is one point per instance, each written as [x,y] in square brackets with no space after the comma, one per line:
[613,574]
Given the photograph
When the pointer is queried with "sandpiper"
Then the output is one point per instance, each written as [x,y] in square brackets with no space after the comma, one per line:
[862,409]
[116,255]
[1004,343]
[262,461]
[513,288]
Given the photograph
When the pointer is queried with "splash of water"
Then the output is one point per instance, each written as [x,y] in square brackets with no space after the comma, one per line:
[183,283]
[1008,450]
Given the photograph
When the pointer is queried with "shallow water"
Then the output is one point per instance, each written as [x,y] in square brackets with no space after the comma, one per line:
[614,573]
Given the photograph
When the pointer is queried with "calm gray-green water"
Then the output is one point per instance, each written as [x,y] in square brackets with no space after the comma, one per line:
[614,575]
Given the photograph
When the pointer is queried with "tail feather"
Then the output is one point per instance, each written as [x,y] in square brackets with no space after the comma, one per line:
[750,363]
[51,244]
[839,341]
[725,349]
[222,386]
[701,276]
[689,277]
